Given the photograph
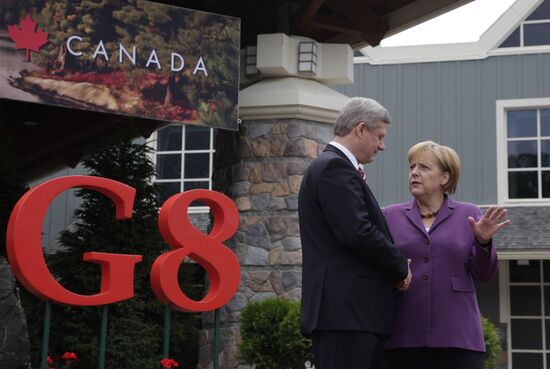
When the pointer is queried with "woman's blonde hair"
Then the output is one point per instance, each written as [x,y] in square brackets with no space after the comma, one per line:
[448,160]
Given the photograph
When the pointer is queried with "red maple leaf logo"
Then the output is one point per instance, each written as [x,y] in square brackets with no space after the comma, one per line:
[26,37]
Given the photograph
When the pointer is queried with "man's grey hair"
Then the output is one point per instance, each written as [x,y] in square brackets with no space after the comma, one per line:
[361,109]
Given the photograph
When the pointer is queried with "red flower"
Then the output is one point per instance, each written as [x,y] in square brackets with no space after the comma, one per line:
[69,357]
[169,363]
[50,360]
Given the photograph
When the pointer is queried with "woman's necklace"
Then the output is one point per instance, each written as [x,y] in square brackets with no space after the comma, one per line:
[433,214]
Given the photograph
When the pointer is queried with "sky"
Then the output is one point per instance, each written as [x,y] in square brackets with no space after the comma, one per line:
[449,27]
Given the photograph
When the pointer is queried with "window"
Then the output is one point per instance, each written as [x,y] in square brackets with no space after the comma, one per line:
[524,150]
[184,158]
[529,314]
[533,31]
[542,12]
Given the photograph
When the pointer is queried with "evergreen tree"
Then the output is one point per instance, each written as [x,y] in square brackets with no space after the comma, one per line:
[134,336]
[12,184]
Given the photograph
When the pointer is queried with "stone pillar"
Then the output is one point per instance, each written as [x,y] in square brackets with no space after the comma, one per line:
[261,168]
[288,114]
[264,183]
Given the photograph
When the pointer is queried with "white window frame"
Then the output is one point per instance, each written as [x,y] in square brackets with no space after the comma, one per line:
[504,292]
[502,106]
[211,151]
[522,45]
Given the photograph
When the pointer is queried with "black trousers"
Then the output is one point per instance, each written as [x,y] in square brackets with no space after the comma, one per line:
[434,358]
[348,350]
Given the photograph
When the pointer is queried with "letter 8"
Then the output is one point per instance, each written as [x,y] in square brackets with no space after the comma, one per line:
[219,262]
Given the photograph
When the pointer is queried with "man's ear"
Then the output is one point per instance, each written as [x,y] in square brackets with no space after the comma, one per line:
[361,127]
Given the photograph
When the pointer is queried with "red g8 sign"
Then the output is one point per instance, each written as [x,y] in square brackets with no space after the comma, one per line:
[24,247]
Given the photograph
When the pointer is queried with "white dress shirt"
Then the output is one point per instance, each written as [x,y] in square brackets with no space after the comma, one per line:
[346,152]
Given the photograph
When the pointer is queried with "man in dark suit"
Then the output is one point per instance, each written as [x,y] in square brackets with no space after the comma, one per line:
[350,265]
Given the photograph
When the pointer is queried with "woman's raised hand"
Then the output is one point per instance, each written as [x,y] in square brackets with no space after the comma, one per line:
[489,224]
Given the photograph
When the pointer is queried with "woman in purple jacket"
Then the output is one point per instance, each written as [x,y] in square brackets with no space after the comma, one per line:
[437,321]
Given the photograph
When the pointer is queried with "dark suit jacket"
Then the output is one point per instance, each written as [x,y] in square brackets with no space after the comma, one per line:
[349,260]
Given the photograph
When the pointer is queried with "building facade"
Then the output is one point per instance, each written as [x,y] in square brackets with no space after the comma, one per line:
[490,100]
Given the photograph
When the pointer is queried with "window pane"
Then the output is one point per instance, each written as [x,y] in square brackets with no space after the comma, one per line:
[197,138]
[546,267]
[197,165]
[526,334]
[215,138]
[545,122]
[522,154]
[547,308]
[523,185]
[545,153]
[524,360]
[167,189]
[169,138]
[545,183]
[512,40]
[522,123]
[196,185]
[525,300]
[524,273]
[536,34]
[169,166]
[542,12]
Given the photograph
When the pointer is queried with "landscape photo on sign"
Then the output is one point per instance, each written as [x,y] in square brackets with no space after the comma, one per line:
[130,57]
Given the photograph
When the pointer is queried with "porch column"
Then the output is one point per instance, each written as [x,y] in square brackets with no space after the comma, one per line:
[286,122]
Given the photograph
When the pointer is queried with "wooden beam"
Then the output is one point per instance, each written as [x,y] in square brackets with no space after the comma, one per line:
[333,23]
[361,18]
[305,14]
[341,25]
[338,25]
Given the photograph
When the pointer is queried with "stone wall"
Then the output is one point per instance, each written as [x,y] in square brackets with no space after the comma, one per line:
[261,167]
[14,342]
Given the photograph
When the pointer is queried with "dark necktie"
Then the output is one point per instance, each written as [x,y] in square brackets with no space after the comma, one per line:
[362,173]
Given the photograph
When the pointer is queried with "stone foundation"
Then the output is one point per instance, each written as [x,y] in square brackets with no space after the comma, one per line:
[14,341]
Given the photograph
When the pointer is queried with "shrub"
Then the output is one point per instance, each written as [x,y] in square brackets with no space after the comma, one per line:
[271,339]
[492,343]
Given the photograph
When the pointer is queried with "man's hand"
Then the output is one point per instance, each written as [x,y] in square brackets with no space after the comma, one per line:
[404,284]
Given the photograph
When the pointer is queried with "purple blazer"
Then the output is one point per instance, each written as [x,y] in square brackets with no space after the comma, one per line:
[440,307]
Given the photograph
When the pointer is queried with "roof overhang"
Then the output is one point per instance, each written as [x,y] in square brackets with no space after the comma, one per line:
[481,49]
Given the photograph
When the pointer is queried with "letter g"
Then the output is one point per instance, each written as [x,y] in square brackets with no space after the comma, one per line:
[24,244]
